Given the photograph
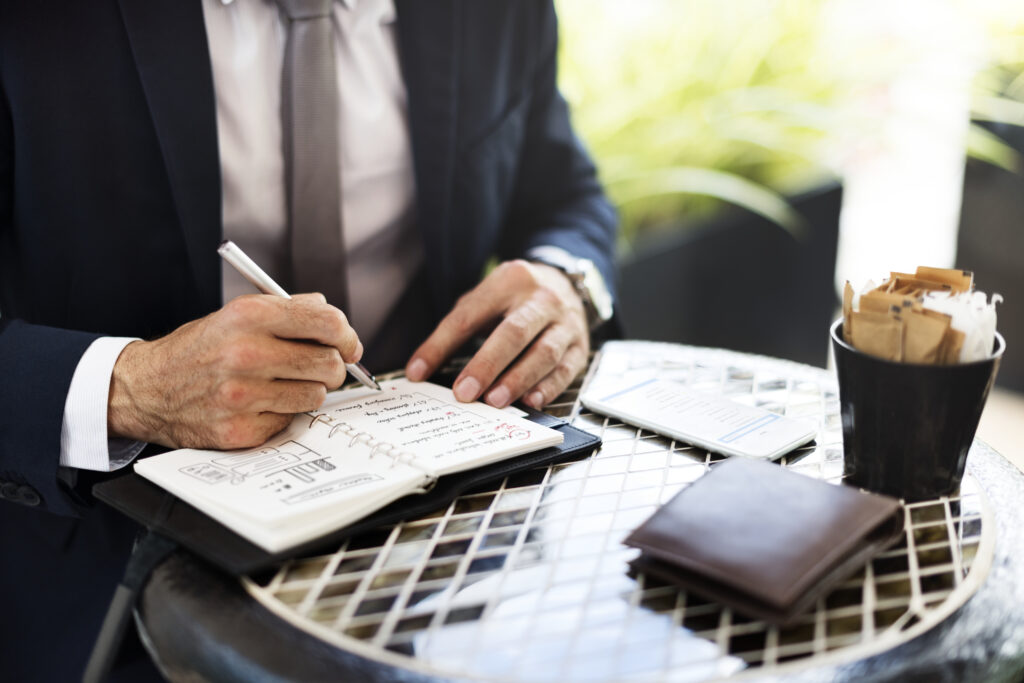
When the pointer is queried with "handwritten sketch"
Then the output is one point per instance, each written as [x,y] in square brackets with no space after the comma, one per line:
[237,467]
[331,488]
[206,473]
[360,451]
[394,424]
[308,471]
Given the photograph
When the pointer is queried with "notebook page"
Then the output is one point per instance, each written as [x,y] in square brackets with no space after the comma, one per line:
[361,451]
[434,431]
[299,474]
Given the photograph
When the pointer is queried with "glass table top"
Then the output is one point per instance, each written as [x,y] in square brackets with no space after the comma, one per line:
[528,580]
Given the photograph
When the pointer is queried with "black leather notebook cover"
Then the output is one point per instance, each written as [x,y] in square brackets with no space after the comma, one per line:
[763,540]
[162,512]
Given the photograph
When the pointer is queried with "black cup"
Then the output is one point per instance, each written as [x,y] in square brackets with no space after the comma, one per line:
[907,427]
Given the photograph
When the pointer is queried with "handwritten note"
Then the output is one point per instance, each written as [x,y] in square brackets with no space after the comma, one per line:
[361,450]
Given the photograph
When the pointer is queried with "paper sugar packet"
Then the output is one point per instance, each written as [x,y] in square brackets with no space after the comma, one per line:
[931,316]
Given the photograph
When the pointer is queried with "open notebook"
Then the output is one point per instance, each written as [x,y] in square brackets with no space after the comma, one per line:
[361,451]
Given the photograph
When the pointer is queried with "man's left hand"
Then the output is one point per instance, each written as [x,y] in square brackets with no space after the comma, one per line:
[539,343]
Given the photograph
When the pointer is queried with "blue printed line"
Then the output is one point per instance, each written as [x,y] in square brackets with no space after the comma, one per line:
[626,391]
[749,427]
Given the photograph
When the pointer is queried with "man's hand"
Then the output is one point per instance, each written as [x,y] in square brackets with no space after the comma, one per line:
[539,345]
[233,378]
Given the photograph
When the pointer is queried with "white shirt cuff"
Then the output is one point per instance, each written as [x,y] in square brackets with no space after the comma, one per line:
[83,438]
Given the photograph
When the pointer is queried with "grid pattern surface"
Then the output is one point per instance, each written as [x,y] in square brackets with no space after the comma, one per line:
[528,580]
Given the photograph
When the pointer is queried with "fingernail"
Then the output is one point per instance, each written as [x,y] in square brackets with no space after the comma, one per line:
[467,389]
[417,370]
[359,352]
[535,400]
[499,397]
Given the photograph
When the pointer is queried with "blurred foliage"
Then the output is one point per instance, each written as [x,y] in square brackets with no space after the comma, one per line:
[998,93]
[688,105]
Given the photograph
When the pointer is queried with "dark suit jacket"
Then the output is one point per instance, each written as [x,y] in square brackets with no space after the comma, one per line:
[110,215]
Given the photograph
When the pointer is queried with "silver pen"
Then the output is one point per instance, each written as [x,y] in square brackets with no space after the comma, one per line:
[231,253]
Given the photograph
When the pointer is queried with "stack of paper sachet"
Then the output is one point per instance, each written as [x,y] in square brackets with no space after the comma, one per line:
[931,316]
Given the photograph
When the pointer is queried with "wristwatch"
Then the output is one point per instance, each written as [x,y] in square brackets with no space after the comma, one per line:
[585,277]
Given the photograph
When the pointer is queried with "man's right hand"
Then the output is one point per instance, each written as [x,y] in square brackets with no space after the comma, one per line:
[233,378]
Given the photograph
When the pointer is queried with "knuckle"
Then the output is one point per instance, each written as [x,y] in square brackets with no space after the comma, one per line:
[244,308]
[350,344]
[313,396]
[549,352]
[484,367]
[461,322]
[549,297]
[565,372]
[465,303]
[516,328]
[240,355]
[232,394]
[518,270]
[334,322]
[233,433]
[272,424]
[335,368]
[308,298]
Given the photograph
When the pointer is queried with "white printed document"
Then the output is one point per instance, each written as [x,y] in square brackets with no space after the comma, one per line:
[362,450]
[709,421]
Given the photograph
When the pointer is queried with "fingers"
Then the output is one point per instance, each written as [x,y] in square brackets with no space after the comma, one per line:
[303,317]
[218,381]
[249,396]
[470,313]
[251,411]
[243,431]
[473,311]
[545,352]
[559,379]
[505,343]
[538,346]
[272,358]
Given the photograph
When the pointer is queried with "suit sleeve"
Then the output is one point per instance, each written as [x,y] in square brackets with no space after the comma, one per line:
[36,367]
[558,199]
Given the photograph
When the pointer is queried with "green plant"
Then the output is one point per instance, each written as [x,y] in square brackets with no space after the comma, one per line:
[688,105]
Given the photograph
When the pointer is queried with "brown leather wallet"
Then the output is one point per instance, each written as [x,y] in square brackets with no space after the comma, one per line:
[763,540]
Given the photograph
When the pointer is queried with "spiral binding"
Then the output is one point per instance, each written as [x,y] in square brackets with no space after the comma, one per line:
[376,447]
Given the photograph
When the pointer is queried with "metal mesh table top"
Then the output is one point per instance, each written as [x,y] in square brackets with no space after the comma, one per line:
[528,580]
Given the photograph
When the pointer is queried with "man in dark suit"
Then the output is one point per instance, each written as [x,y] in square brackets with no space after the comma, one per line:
[111,192]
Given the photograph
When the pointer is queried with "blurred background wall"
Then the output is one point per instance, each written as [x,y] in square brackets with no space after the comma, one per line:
[763,152]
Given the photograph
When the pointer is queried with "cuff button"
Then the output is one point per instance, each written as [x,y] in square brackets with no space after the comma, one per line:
[28,496]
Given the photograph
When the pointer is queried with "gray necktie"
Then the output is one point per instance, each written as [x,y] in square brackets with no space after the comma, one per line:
[309,115]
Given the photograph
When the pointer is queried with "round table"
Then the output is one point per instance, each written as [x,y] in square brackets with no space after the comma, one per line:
[528,580]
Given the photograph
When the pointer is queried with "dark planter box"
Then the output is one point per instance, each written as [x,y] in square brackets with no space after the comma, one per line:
[991,244]
[739,282]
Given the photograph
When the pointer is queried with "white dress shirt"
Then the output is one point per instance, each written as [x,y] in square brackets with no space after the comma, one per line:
[384,251]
